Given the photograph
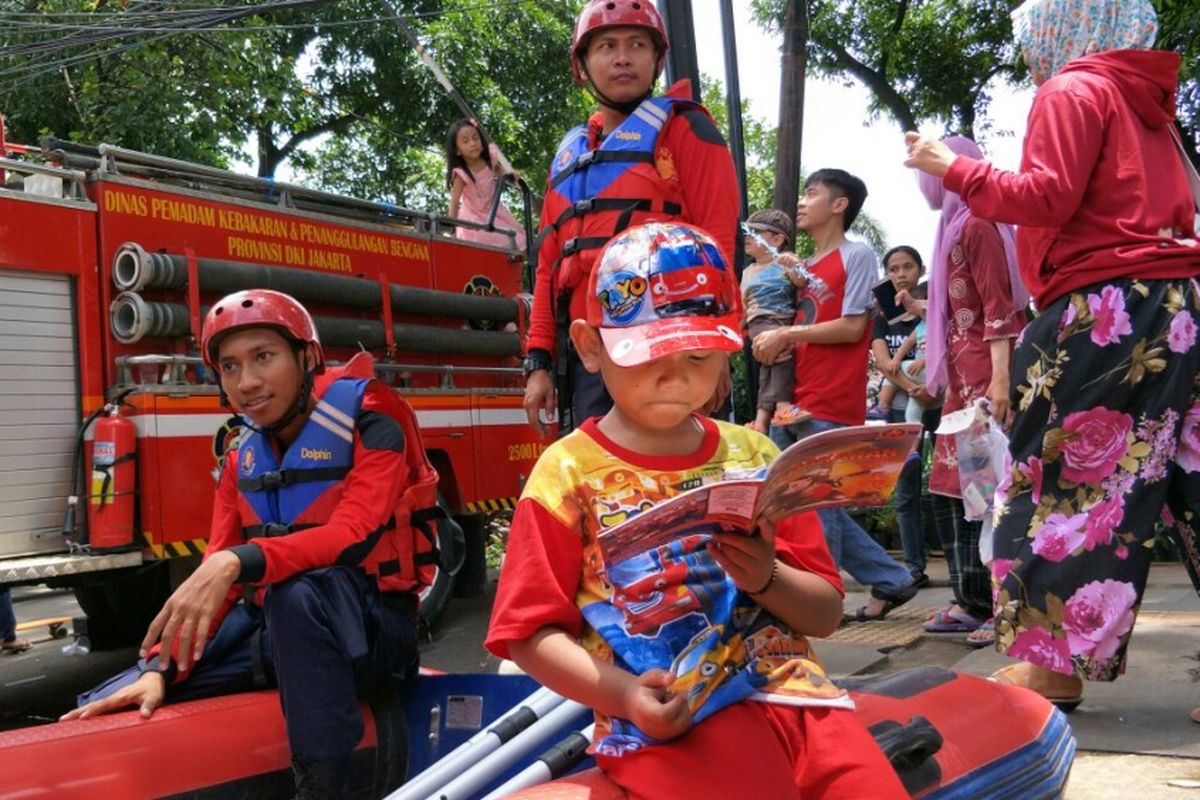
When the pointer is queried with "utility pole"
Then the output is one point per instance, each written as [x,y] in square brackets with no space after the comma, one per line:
[793,64]
[733,103]
[681,33]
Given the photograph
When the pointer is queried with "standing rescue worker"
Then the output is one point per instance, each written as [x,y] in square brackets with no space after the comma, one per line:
[320,540]
[638,159]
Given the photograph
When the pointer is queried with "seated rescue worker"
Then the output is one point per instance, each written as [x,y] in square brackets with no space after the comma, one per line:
[320,540]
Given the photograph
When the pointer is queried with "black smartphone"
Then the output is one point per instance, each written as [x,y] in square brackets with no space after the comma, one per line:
[885,296]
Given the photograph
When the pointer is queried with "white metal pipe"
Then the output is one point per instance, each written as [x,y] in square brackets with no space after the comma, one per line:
[479,746]
[468,785]
[536,773]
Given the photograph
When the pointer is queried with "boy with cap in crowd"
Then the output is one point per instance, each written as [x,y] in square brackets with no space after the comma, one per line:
[662,315]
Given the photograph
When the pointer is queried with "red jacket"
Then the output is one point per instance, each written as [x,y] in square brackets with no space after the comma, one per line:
[1102,191]
[692,155]
[378,477]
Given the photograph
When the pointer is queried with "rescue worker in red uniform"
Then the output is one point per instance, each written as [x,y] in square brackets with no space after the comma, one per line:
[638,159]
[320,540]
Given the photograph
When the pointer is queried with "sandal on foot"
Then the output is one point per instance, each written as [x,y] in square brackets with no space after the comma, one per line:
[791,416]
[983,636]
[890,603]
[15,646]
[1013,675]
[951,619]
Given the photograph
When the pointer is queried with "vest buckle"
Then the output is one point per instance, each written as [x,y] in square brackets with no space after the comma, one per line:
[586,158]
[584,206]
[275,529]
[272,480]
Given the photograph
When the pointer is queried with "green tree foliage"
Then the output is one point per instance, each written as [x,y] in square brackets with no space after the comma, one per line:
[1179,30]
[931,60]
[332,90]
[511,64]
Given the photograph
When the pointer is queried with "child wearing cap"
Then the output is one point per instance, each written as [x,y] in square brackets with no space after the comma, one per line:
[769,296]
[662,315]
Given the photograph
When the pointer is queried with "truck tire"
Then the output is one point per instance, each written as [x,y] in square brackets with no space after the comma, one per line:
[450,541]
[471,580]
[120,609]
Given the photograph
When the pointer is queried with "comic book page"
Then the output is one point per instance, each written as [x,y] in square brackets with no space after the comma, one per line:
[851,467]
[725,506]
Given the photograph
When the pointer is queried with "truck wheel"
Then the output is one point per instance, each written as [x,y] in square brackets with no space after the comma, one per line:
[471,580]
[450,540]
[120,610]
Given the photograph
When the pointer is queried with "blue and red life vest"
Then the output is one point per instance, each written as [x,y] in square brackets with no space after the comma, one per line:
[596,194]
[276,498]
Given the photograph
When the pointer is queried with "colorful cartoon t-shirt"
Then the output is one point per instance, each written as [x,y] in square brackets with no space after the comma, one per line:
[671,608]
[767,291]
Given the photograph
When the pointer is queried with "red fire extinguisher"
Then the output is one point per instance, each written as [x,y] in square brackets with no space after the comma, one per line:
[114,477]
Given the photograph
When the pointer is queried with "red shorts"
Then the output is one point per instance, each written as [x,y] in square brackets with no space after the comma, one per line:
[762,750]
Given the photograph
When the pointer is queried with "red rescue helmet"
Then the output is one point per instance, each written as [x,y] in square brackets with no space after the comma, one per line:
[599,14]
[258,308]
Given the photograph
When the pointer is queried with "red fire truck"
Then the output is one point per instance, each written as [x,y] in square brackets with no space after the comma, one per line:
[111,429]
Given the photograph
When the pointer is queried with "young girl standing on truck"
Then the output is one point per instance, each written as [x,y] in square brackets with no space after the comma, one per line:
[472,166]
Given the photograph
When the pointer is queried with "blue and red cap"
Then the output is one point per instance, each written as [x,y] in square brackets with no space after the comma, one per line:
[663,288]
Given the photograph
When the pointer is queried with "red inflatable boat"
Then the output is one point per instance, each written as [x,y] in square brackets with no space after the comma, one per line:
[948,735]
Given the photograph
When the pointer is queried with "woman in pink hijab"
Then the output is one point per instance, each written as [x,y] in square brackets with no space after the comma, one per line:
[1106,379]
[976,308]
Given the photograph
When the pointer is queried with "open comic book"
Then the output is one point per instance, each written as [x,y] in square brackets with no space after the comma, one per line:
[848,467]
[673,607]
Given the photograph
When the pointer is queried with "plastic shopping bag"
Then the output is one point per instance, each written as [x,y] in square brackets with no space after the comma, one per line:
[981,446]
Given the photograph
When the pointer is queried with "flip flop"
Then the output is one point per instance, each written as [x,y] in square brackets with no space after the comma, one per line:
[952,620]
[890,603]
[1010,676]
[15,646]
[791,416]
[983,636]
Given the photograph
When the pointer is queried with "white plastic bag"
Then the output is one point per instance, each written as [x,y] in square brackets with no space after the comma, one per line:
[981,447]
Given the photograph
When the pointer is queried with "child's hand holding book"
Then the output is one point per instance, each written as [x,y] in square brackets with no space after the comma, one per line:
[748,560]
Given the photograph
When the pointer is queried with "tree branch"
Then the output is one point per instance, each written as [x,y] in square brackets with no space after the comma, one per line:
[874,80]
[328,126]
[885,53]
[270,155]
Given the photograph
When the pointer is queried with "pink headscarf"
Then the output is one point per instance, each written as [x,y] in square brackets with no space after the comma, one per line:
[954,217]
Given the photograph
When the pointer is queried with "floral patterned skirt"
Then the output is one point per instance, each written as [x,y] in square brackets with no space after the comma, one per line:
[1104,447]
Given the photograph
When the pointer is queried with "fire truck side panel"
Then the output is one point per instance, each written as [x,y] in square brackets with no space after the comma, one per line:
[180,482]
[507,449]
[47,271]
[474,270]
[472,421]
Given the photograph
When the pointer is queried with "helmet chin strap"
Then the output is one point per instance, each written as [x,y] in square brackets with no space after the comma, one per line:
[627,107]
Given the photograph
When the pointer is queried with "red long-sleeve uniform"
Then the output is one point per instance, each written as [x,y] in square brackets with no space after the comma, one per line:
[691,152]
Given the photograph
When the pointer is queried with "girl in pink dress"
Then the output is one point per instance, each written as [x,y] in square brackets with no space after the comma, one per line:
[472,165]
